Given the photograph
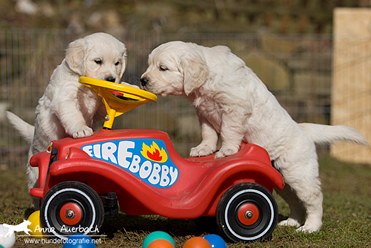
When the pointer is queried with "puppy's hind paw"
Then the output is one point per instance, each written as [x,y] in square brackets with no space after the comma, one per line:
[289,222]
[306,229]
[84,132]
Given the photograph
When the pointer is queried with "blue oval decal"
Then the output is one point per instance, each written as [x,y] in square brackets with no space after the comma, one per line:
[147,159]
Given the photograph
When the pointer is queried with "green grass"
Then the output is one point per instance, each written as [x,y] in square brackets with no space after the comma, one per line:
[346,221]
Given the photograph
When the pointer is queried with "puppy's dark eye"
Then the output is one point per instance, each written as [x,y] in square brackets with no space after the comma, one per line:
[163,68]
[117,63]
[98,61]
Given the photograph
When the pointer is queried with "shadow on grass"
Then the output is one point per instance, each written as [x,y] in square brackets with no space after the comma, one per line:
[281,218]
[149,223]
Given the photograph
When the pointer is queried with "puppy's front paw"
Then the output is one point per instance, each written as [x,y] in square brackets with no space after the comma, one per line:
[224,152]
[201,150]
[83,132]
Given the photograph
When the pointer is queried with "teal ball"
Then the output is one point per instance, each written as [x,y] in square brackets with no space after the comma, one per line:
[157,235]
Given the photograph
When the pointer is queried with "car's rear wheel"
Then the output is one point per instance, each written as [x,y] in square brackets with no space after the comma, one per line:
[247,212]
[69,208]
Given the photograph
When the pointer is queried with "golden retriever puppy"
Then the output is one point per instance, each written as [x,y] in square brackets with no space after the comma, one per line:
[67,107]
[231,101]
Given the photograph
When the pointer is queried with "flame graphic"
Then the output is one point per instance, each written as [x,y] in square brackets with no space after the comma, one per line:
[154,153]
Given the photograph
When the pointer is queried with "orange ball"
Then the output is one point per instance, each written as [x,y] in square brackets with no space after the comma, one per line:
[160,243]
[197,242]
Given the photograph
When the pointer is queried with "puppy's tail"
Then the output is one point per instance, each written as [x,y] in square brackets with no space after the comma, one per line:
[325,134]
[25,129]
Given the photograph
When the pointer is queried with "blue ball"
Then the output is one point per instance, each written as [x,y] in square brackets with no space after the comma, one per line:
[157,235]
[215,241]
[79,241]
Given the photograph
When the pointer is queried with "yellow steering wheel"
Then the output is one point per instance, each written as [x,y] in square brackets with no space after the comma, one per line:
[118,98]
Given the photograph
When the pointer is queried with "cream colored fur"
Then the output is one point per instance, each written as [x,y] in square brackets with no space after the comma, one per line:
[231,101]
[67,107]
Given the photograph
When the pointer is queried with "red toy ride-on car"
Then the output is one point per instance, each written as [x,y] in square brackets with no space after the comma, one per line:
[81,180]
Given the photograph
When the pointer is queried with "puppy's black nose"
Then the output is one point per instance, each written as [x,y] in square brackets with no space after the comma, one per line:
[144,81]
[110,79]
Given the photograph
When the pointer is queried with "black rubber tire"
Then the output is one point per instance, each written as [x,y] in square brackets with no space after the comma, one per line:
[234,202]
[83,198]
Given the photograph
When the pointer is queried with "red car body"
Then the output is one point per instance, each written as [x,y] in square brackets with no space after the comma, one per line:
[199,184]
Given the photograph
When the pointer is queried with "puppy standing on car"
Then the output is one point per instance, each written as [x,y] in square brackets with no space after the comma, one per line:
[67,107]
[230,100]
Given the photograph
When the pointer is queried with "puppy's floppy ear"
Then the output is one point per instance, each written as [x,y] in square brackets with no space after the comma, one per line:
[195,71]
[75,56]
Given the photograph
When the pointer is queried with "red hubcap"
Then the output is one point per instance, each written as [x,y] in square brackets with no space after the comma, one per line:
[248,214]
[70,214]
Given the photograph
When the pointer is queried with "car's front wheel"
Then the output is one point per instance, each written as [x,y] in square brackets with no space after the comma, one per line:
[69,208]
